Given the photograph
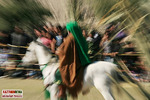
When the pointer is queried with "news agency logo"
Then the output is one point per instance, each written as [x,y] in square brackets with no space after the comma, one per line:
[12,93]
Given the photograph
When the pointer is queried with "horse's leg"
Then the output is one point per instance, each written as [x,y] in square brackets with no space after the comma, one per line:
[104,88]
[53,92]
[107,93]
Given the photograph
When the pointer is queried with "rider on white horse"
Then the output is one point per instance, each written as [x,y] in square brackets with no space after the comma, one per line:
[73,58]
[71,69]
[95,74]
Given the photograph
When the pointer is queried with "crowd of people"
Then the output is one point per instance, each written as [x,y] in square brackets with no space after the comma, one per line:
[101,46]
[17,41]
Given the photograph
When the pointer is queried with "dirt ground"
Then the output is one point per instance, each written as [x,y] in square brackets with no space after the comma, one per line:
[33,90]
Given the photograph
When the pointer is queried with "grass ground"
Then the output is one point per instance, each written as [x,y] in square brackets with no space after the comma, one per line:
[33,90]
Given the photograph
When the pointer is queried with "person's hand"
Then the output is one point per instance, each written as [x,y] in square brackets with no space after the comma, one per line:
[45,27]
[114,54]
[57,52]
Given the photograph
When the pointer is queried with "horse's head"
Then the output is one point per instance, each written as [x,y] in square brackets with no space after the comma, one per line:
[37,52]
[30,57]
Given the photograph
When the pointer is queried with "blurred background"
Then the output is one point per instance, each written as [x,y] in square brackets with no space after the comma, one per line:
[116,31]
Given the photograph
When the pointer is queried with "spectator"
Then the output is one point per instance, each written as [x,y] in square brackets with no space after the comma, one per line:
[19,38]
[37,33]
[128,48]
[121,35]
[47,40]
[111,29]
[107,52]
[4,37]
[45,27]
[93,40]
[59,37]
[64,32]
[89,38]
[84,33]
[3,56]
[96,37]
[10,64]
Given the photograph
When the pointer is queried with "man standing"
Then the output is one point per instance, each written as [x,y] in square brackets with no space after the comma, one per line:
[19,38]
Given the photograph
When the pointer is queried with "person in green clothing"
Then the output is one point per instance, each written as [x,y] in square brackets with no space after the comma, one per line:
[73,59]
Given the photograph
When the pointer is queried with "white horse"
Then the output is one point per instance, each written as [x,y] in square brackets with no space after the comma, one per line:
[95,74]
